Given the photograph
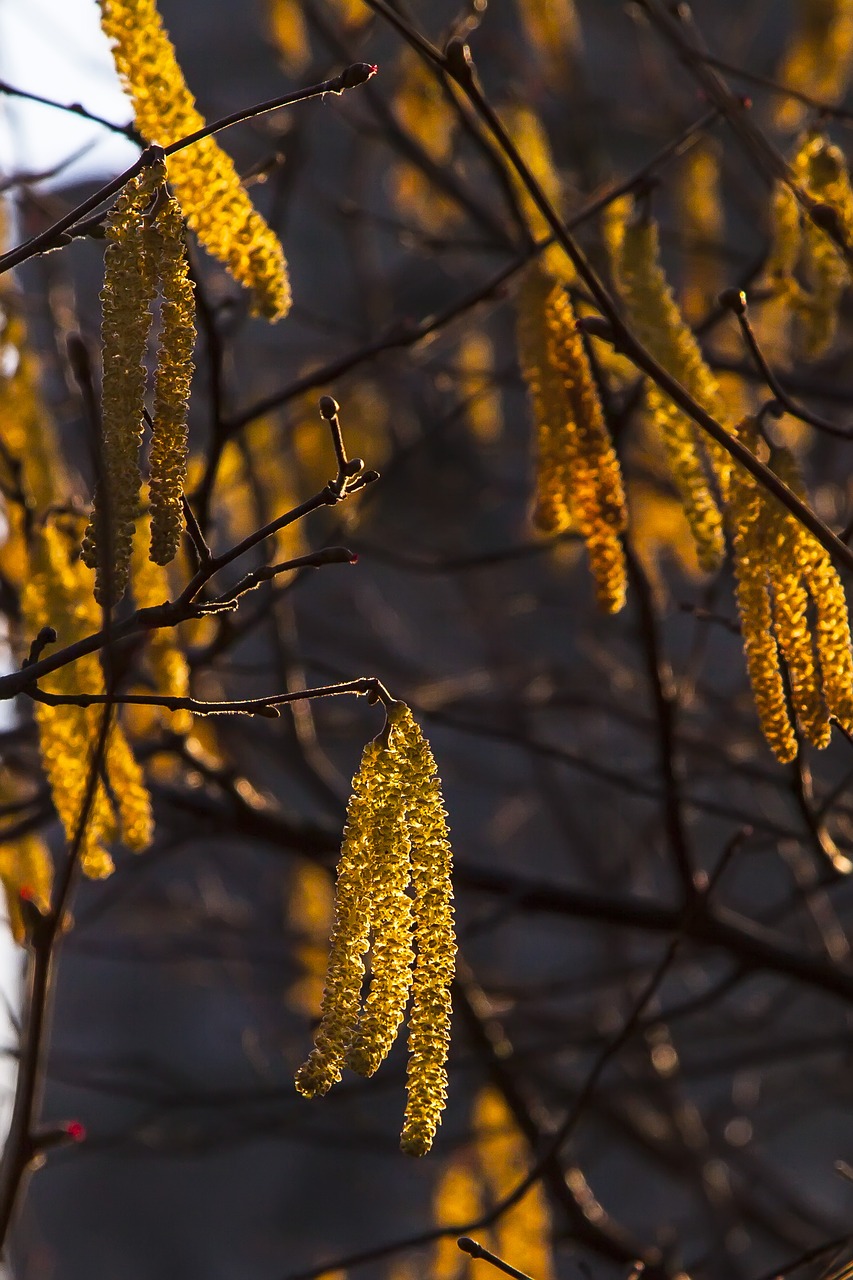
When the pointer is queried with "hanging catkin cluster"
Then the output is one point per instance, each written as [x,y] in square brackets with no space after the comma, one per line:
[479,1177]
[393,896]
[698,467]
[784,579]
[818,59]
[578,476]
[804,266]
[59,594]
[214,201]
[146,248]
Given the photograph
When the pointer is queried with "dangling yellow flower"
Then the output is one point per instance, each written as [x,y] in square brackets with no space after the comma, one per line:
[350,936]
[429,1020]
[129,288]
[783,574]
[578,475]
[167,463]
[59,594]
[394,883]
[635,256]
[146,248]
[214,201]
[818,58]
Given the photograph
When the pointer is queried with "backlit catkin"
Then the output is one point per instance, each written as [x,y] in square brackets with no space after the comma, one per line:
[59,594]
[823,172]
[578,476]
[429,1020]
[129,288]
[818,59]
[394,883]
[215,203]
[350,936]
[168,457]
[659,325]
[748,517]
[392,952]
[787,558]
[784,579]
[147,250]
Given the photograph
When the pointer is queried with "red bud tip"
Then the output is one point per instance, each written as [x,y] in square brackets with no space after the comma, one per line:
[746,102]
[26,894]
[76,1131]
[354,558]
[374,67]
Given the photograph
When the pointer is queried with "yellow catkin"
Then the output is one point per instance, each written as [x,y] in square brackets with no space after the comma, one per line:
[523,1231]
[395,832]
[392,951]
[552,28]
[429,1020]
[350,937]
[169,668]
[818,58]
[168,457]
[310,911]
[28,436]
[775,315]
[458,1200]
[596,491]
[129,287]
[216,205]
[579,480]
[530,137]
[701,221]
[748,519]
[59,594]
[25,868]
[289,32]
[787,558]
[823,171]
[551,512]
[427,117]
[482,399]
[659,325]
[832,637]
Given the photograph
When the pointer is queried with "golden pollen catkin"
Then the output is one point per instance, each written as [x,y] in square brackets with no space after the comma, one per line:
[822,170]
[654,315]
[578,476]
[394,880]
[168,457]
[818,59]
[429,1020]
[392,951]
[129,288]
[350,938]
[755,609]
[59,594]
[784,577]
[787,558]
[214,201]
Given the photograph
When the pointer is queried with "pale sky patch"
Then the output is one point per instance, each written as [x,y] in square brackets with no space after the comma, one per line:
[56,48]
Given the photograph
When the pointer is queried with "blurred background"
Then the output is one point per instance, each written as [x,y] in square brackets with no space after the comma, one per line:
[579,752]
